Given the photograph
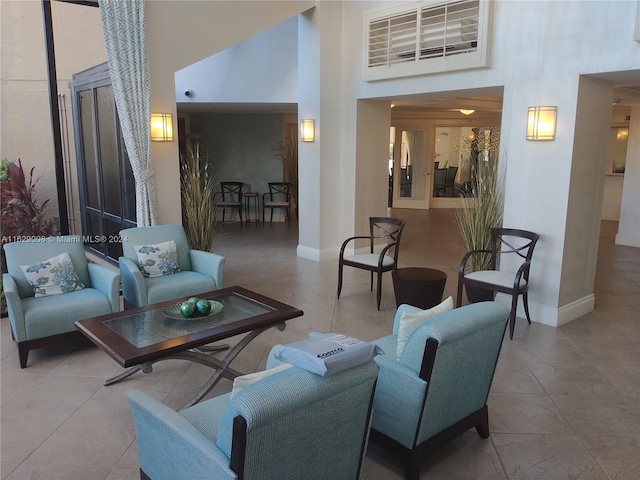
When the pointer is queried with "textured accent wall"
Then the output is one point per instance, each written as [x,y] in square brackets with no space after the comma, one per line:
[241,147]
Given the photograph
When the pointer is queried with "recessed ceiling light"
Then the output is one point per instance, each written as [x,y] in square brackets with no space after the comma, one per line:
[466,112]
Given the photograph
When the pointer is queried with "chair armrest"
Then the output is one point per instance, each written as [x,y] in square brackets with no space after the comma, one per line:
[170,447]
[344,244]
[134,288]
[467,256]
[209,264]
[396,415]
[14,306]
[107,281]
[401,309]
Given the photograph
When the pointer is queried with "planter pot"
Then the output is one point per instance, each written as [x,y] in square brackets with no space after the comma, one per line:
[478,294]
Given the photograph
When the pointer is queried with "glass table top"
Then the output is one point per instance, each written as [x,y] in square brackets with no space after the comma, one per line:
[152,326]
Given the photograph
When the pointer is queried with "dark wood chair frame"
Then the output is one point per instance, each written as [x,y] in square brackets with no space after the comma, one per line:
[377,229]
[231,193]
[500,246]
[412,458]
[439,182]
[449,183]
[277,190]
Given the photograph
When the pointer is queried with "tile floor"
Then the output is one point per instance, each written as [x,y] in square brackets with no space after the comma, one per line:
[565,403]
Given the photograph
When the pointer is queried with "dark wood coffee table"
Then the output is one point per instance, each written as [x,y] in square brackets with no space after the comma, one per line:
[139,337]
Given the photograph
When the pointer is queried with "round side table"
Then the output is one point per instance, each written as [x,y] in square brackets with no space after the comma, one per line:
[417,286]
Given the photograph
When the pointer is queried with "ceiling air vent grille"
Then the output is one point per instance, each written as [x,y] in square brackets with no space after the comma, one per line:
[423,37]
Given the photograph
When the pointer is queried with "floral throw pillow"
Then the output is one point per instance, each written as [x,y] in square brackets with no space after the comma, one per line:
[159,259]
[53,276]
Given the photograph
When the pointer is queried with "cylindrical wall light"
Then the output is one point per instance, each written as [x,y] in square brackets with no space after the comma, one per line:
[161,127]
[542,123]
[308,130]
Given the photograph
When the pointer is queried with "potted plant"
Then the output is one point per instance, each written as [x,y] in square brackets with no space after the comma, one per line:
[198,208]
[288,151]
[482,212]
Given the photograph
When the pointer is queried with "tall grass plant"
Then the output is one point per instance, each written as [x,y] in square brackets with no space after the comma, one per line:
[198,207]
[482,212]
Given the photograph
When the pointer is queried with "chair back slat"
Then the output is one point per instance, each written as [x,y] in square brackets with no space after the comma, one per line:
[231,191]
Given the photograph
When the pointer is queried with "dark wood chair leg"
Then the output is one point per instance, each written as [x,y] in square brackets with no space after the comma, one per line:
[512,323]
[525,301]
[459,295]
[339,279]
[240,214]
[23,354]
[483,427]
[412,466]
[379,289]
[371,287]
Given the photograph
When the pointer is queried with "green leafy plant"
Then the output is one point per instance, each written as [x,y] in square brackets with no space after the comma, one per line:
[288,151]
[482,212]
[198,208]
[23,211]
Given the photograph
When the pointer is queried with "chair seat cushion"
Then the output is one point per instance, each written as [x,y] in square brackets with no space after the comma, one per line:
[47,316]
[370,259]
[206,416]
[495,277]
[181,284]
[276,204]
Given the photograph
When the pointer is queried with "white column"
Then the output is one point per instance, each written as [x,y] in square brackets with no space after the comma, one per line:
[629,226]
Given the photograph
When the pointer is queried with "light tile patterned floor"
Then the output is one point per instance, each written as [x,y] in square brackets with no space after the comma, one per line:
[565,402]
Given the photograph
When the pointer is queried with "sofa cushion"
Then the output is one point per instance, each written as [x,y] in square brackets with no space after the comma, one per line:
[53,276]
[410,321]
[157,259]
[245,381]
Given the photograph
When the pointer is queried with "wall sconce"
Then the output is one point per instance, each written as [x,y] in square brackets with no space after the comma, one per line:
[161,127]
[542,123]
[308,130]
[466,112]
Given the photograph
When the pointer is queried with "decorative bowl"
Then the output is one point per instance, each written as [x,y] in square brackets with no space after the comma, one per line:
[173,311]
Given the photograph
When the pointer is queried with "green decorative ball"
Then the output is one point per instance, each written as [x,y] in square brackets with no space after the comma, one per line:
[193,301]
[203,306]
[187,309]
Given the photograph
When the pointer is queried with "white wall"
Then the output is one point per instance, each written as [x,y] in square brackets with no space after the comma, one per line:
[261,69]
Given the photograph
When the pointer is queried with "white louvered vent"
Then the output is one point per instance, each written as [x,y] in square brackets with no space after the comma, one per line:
[427,37]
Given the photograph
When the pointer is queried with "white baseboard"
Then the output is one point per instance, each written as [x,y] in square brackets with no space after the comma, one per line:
[317,255]
[628,240]
[547,315]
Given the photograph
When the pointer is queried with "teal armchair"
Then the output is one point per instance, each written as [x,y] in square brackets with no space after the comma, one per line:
[438,388]
[291,425]
[199,271]
[41,321]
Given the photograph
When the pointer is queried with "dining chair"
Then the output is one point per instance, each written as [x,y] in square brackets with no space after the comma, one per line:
[230,196]
[504,242]
[380,228]
[439,182]
[450,181]
[278,197]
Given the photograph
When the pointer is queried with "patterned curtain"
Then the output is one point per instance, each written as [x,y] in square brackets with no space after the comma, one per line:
[123,25]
